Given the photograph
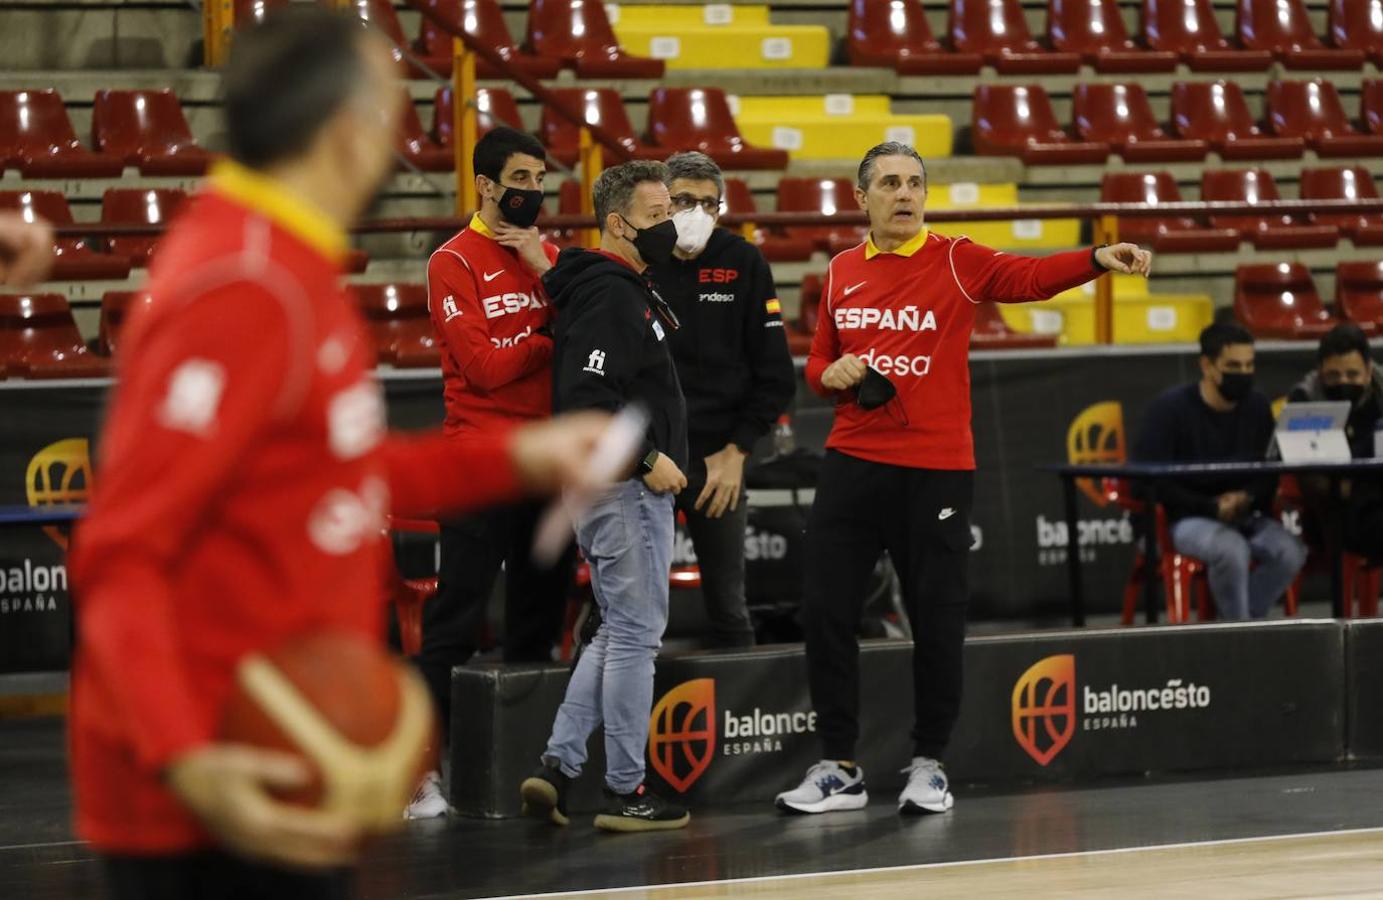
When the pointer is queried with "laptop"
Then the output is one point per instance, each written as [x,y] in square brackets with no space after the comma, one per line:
[1313,432]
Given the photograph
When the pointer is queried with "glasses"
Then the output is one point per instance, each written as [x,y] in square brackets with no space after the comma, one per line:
[683,202]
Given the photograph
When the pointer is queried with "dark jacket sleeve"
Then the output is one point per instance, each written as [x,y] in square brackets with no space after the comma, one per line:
[772,378]
[1157,443]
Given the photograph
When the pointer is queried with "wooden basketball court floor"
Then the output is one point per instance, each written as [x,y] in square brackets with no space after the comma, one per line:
[1311,832]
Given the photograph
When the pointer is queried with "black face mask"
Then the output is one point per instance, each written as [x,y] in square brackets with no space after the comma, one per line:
[655,243]
[1351,392]
[875,390]
[520,207]
[1235,386]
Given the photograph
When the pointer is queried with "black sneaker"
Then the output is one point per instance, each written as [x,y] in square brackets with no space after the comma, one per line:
[545,794]
[640,810]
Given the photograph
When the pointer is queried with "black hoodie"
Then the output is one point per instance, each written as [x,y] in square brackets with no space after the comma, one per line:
[611,349]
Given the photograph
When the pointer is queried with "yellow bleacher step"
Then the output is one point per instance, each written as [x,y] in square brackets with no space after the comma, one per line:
[837,126]
[1140,317]
[1017,234]
[718,36]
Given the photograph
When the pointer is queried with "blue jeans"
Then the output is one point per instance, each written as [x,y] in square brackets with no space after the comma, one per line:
[1228,552]
[627,540]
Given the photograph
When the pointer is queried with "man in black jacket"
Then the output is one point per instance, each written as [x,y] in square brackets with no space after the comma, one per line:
[610,351]
[1226,521]
[737,372]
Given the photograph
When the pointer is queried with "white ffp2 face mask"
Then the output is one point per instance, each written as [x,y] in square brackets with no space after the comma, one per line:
[694,227]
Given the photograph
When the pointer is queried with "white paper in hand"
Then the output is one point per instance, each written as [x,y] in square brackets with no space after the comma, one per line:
[610,460]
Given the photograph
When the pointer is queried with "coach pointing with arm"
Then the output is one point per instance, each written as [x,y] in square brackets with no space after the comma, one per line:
[892,350]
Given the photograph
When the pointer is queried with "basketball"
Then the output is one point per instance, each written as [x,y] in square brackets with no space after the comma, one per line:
[360,719]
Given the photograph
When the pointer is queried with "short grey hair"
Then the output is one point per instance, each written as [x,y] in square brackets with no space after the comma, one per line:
[694,165]
[887,148]
[614,189]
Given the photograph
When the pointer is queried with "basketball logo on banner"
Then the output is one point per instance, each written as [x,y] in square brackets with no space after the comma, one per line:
[682,733]
[59,474]
[1096,436]
[1044,707]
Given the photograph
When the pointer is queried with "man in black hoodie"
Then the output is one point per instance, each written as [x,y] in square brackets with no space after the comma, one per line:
[733,358]
[610,351]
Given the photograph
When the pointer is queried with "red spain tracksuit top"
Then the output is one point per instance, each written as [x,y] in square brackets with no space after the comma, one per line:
[244,481]
[487,307]
[909,314]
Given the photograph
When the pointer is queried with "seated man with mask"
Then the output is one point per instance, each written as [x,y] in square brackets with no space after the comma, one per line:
[1226,521]
[1345,371]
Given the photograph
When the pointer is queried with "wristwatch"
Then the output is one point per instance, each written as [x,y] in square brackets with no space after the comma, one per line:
[646,464]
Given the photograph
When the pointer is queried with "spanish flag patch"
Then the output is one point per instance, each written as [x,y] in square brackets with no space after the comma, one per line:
[773,307]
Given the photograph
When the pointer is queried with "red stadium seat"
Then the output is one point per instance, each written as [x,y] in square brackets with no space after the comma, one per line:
[493,106]
[998,32]
[395,316]
[991,332]
[482,19]
[1268,232]
[380,15]
[775,247]
[802,330]
[39,339]
[1282,28]
[577,34]
[1357,25]
[1371,105]
[700,119]
[1217,113]
[116,307]
[1312,111]
[418,147]
[1179,234]
[1095,30]
[1359,293]
[1188,28]
[253,11]
[596,106]
[1121,116]
[36,137]
[1279,300]
[1353,183]
[147,129]
[896,35]
[1017,120]
[821,195]
[135,206]
[76,261]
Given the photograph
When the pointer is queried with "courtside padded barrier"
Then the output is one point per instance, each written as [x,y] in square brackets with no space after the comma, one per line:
[737,727]
[1364,661]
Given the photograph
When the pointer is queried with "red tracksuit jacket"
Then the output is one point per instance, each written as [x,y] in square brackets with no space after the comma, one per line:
[244,482]
[909,313]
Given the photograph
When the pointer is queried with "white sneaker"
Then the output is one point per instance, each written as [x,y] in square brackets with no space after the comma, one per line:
[827,788]
[928,790]
[428,802]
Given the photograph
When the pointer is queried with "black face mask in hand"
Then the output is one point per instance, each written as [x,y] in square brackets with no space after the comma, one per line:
[875,390]
[520,207]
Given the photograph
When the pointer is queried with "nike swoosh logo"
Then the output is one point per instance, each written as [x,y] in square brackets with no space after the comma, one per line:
[493,275]
[946,514]
[854,287]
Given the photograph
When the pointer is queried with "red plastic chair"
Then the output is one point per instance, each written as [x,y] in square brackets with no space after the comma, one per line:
[1217,113]
[116,308]
[395,314]
[1312,111]
[39,339]
[36,137]
[1188,28]
[1095,30]
[998,32]
[896,35]
[135,206]
[1279,300]
[147,129]
[1179,234]
[991,332]
[1282,28]
[75,259]
[1185,585]
[821,195]
[577,34]
[483,19]
[773,244]
[1017,120]
[596,106]
[493,106]
[1357,25]
[700,119]
[1371,105]
[1121,116]
[1268,232]
[1352,183]
[418,147]
[380,15]
[802,330]
[1359,293]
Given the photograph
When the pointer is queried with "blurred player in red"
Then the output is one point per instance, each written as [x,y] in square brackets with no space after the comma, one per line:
[246,477]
